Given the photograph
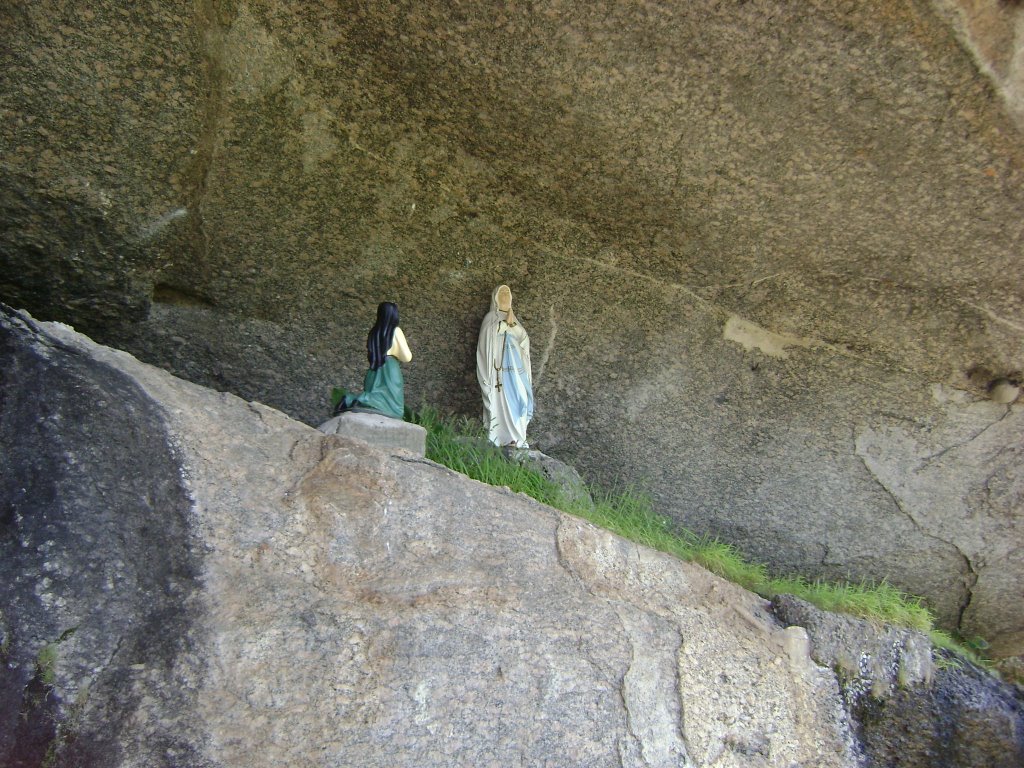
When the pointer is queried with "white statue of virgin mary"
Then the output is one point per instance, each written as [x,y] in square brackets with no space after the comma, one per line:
[503,370]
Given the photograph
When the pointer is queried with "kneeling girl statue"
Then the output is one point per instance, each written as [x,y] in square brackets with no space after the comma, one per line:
[503,371]
[383,387]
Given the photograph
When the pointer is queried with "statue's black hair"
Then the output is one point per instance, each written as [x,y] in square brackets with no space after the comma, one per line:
[378,342]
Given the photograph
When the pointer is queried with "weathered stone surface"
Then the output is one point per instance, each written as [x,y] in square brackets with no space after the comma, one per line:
[358,608]
[249,591]
[749,239]
[993,32]
[98,567]
[907,711]
[870,659]
[558,472]
[381,431]
[956,480]
[103,109]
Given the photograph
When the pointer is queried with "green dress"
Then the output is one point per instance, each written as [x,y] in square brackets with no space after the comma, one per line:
[383,391]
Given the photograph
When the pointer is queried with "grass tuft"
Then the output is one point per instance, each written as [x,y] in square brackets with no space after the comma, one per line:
[875,602]
[461,445]
[46,664]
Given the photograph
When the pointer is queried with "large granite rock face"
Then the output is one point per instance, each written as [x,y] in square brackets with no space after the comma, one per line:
[190,579]
[767,252]
[993,32]
[265,595]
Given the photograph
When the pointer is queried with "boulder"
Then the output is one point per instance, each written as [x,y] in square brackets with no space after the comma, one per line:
[319,599]
[558,472]
[250,591]
[100,566]
[192,579]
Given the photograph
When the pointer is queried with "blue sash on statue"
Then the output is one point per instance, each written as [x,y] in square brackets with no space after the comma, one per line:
[518,392]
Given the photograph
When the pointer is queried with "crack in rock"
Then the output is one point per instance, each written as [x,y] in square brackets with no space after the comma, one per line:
[928,460]
[968,574]
[970,580]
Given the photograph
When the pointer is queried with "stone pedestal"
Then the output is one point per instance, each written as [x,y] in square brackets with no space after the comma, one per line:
[381,431]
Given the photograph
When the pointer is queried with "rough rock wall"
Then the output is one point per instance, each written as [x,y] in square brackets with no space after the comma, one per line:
[906,710]
[102,108]
[993,32]
[768,252]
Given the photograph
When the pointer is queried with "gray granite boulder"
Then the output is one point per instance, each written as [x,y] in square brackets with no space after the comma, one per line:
[191,579]
[100,566]
[195,580]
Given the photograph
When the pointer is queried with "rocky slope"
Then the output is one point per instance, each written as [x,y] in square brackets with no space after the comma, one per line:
[768,252]
[191,579]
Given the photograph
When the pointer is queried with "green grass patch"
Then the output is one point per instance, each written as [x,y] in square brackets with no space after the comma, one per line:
[46,664]
[973,650]
[46,659]
[461,445]
[337,395]
[875,602]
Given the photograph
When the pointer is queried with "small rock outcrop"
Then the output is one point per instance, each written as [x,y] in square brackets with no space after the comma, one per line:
[907,710]
[192,579]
